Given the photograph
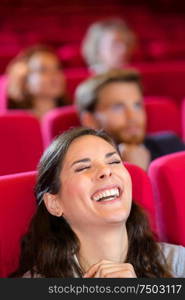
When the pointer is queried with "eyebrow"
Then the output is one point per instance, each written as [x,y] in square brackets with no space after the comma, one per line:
[88,159]
[80,161]
[110,154]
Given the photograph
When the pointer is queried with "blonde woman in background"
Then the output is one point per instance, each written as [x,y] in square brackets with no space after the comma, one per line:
[108,44]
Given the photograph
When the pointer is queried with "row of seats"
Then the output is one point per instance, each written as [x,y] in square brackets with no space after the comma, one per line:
[63,30]
[24,138]
[154,50]
[70,53]
[160,194]
[162,78]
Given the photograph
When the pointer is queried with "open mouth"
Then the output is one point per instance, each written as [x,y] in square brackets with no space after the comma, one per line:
[106,195]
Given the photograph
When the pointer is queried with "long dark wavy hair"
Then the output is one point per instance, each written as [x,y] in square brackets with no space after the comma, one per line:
[50,245]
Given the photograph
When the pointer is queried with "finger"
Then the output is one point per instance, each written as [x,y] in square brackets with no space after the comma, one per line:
[125,269]
[121,274]
[105,269]
[91,271]
[94,268]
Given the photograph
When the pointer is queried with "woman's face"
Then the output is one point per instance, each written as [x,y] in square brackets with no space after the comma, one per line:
[95,186]
[45,78]
[113,49]
[16,76]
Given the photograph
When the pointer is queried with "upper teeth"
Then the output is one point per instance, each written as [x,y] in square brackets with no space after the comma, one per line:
[112,192]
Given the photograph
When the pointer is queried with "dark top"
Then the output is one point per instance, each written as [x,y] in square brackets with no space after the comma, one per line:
[163,143]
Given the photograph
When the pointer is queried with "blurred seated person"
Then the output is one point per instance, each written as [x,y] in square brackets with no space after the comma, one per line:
[114,102]
[36,81]
[108,44]
[92,229]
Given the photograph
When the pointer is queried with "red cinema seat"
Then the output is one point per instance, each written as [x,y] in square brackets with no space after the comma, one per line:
[17,205]
[74,77]
[3,97]
[21,142]
[166,50]
[162,115]
[164,78]
[167,177]
[183,119]
[70,56]
[142,192]
[57,121]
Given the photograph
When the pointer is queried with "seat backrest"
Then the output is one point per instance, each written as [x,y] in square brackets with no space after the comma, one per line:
[142,192]
[183,119]
[162,115]
[57,121]
[164,78]
[74,76]
[17,205]
[21,142]
[3,93]
[167,177]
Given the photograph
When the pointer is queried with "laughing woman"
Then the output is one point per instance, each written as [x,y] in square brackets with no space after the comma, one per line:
[86,224]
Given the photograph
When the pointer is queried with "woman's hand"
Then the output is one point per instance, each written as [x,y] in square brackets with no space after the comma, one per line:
[110,269]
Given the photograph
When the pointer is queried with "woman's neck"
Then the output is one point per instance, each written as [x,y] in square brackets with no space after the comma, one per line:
[42,105]
[111,245]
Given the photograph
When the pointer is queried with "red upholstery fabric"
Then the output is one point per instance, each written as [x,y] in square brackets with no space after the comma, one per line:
[183,119]
[167,178]
[142,192]
[159,78]
[162,115]
[164,78]
[17,205]
[70,55]
[74,77]
[57,121]
[3,98]
[165,50]
[67,23]
[21,143]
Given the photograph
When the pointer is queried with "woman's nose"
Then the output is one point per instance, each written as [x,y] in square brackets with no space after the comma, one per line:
[104,172]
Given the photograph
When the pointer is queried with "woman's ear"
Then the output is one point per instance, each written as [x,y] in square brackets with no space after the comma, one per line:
[52,204]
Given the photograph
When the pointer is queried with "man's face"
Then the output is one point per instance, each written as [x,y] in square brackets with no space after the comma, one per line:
[120,112]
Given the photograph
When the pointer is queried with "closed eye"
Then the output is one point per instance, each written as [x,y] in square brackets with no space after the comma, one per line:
[115,162]
[82,168]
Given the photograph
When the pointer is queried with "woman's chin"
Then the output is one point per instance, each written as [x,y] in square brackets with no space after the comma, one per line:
[116,216]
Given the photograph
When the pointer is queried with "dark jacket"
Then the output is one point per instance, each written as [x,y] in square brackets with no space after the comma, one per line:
[163,143]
